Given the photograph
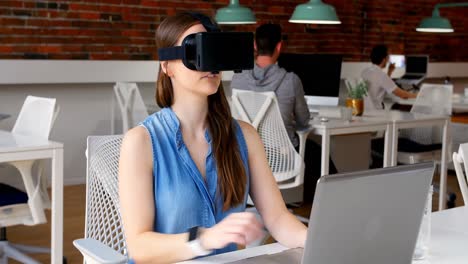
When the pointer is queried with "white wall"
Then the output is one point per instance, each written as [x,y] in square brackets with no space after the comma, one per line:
[85,109]
[84,91]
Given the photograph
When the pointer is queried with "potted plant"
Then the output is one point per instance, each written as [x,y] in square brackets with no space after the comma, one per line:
[356,92]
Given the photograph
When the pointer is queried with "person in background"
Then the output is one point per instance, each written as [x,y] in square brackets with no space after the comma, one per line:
[186,171]
[380,82]
[267,76]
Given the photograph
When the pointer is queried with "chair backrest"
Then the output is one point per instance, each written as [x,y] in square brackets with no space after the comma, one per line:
[435,99]
[131,105]
[261,110]
[103,219]
[458,159]
[36,117]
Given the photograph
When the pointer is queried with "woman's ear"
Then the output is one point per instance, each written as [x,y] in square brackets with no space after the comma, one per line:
[164,66]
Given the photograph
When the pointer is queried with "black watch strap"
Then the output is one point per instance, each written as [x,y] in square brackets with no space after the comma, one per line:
[193,233]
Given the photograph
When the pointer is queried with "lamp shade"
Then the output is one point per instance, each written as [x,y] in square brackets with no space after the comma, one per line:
[235,13]
[436,24]
[314,12]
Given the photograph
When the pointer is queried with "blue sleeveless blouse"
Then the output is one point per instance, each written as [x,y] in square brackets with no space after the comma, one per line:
[183,199]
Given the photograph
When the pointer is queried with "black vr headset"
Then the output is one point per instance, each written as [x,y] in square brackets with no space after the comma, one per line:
[213,51]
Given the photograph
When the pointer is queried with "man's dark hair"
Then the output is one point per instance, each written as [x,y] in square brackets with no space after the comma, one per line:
[378,54]
[267,36]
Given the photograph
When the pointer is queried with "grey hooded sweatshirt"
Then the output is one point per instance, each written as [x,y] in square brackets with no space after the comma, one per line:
[288,89]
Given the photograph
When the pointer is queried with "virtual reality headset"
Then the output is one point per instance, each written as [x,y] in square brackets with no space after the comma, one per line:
[213,51]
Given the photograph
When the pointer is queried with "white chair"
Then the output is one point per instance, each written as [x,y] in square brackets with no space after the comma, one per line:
[424,144]
[131,105]
[261,110]
[432,99]
[458,159]
[36,118]
[104,240]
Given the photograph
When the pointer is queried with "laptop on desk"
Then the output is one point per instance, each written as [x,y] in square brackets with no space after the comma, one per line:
[416,71]
[363,217]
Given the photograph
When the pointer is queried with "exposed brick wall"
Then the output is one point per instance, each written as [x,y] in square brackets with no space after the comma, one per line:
[124,29]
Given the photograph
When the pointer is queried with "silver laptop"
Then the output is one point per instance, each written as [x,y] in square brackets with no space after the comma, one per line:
[363,217]
[416,70]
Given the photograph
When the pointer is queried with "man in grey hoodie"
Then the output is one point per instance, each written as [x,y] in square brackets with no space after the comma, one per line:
[268,76]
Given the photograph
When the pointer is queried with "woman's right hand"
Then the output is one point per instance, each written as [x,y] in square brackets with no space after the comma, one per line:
[239,228]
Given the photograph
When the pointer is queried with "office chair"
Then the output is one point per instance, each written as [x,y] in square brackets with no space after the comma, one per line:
[260,109]
[104,240]
[36,118]
[131,105]
[458,159]
[424,144]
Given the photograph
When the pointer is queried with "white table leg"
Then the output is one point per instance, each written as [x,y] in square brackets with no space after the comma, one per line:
[388,147]
[57,207]
[443,166]
[325,153]
[394,142]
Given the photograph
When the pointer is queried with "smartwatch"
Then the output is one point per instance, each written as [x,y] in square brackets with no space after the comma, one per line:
[194,243]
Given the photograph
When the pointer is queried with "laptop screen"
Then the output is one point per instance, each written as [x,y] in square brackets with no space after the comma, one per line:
[416,64]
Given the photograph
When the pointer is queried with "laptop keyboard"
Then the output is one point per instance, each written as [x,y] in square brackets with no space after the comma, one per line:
[412,77]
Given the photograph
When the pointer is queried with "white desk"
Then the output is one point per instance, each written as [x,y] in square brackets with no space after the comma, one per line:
[448,243]
[391,122]
[341,127]
[15,147]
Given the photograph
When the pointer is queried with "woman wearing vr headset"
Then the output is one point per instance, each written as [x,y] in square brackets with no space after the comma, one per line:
[185,173]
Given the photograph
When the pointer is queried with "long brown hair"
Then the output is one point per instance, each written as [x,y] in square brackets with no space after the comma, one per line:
[231,172]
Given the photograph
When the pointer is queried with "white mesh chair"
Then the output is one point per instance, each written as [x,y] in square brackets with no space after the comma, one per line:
[131,105]
[36,118]
[104,240]
[459,159]
[261,110]
[432,99]
[424,144]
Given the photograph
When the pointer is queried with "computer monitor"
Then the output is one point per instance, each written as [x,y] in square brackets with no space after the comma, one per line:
[416,64]
[398,60]
[320,75]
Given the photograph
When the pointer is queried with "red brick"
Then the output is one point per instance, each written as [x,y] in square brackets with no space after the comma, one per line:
[83,27]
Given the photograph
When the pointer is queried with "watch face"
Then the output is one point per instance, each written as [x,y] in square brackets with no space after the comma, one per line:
[193,233]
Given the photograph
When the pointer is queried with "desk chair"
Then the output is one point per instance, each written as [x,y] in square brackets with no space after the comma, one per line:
[104,240]
[36,118]
[260,109]
[458,159]
[424,144]
[131,105]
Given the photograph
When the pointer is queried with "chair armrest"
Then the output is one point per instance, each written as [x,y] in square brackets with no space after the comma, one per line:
[303,133]
[94,251]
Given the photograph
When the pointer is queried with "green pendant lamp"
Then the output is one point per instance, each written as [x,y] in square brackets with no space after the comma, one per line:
[234,14]
[436,23]
[314,12]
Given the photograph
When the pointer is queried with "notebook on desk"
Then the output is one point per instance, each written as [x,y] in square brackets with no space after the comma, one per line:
[363,217]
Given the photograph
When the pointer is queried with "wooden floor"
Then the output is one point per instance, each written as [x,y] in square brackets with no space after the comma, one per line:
[74,211]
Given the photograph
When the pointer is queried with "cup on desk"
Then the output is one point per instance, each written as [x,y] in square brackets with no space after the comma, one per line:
[346,113]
